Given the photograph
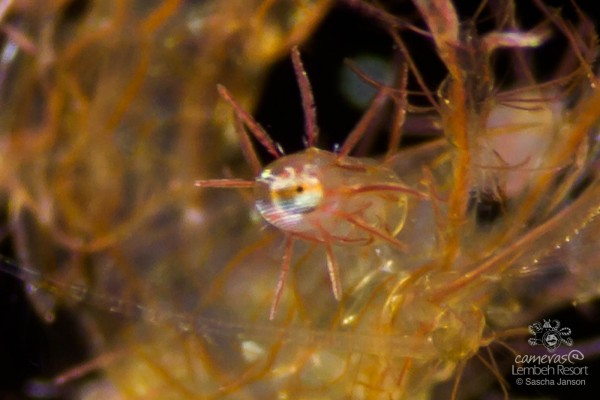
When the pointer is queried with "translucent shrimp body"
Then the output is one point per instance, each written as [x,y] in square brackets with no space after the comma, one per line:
[319,196]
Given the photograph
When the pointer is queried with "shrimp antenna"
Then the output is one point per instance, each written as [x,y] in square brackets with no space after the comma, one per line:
[242,117]
[308,100]
[285,267]
[399,95]
[255,128]
[363,124]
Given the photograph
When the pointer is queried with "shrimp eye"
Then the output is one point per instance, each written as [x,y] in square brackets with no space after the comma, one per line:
[299,198]
[284,196]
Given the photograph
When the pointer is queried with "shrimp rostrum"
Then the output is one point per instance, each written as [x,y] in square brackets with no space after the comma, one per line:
[328,198]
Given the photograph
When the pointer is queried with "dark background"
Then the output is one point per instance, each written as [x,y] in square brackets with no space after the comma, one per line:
[31,349]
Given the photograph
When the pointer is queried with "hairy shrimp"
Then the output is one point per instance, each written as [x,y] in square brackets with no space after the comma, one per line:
[319,196]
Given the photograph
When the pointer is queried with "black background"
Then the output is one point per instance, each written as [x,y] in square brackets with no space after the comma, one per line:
[30,349]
